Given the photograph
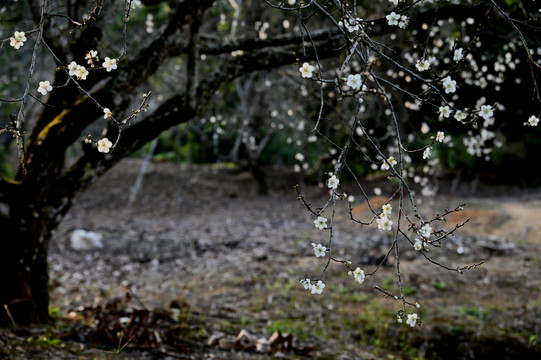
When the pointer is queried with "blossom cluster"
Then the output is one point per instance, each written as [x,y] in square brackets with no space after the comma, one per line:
[424,232]
[424,64]
[394,19]
[91,57]
[351,24]
[411,320]
[383,221]
[358,275]
[78,71]
[314,288]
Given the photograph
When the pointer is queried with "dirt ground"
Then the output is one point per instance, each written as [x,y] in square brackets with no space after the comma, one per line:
[212,271]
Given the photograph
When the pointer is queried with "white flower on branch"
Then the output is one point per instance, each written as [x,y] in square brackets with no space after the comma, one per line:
[392,19]
[91,56]
[319,250]
[72,67]
[306,70]
[425,231]
[426,153]
[107,113]
[109,64]
[44,87]
[412,319]
[17,40]
[318,287]
[320,222]
[449,85]
[444,111]
[460,115]
[486,112]
[384,223]
[333,182]
[358,275]
[458,54]
[418,244]
[354,81]
[306,284]
[104,145]
[81,72]
[404,21]
[422,65]
[532,121]
[390,161]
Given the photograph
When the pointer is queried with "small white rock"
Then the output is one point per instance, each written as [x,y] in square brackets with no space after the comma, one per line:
[82,240]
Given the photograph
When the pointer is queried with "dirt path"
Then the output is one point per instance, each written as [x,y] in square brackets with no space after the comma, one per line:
[199,237]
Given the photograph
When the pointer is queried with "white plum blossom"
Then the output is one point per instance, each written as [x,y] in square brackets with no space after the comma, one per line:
[320,222]
[358,275]
[72,67]
[440,136]
[449,85]
[319,250]
[399,319]
[109,64]
[107,113]
[418,244]
[44,87]
[318,287]
[412,319]
[425,231]
[307,284]
[460,115]
[384,223]
[404,20]
[486,112]
[458,55]
[333,182]
[104,145]
[387,209]
[306,70]
[354,81]
[81,72]
[532,121]
[350,24]
[444,111]
[392,19]
[390,161]
[422,65]
[426,153]
[90,56]
[17,40]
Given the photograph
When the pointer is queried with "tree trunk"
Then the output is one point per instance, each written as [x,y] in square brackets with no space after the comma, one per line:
[24,296]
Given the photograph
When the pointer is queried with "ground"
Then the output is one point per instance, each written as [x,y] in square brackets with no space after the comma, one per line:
[199,266]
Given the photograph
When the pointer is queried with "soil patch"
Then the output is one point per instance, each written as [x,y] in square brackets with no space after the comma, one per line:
[205,258]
